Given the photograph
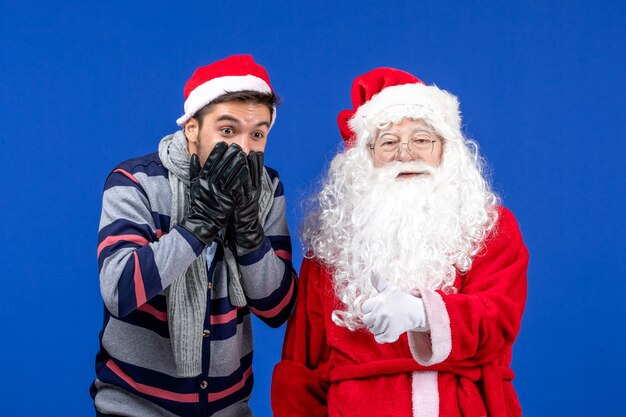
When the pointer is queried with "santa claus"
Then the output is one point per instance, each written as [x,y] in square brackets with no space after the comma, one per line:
[414,283]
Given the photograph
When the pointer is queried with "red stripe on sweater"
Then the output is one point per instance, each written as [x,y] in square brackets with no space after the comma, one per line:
[283,254]
[110,240]
[224,318]
[153,391]
[284,302]
[140,291]
[147,308]
[239,385]
[127,174]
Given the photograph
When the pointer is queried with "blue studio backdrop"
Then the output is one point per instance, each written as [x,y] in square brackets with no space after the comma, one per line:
[86,85]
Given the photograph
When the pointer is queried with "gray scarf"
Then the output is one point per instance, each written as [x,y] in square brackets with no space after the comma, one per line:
[186,296]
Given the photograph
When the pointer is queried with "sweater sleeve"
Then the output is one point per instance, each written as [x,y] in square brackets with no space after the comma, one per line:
[267,275]
[136,259]
[473,326]
[298,385]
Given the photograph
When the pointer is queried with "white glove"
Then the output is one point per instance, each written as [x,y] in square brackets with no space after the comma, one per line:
[392,312]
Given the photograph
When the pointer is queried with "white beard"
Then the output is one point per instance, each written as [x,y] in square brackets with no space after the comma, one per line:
[401,228]
[414,233]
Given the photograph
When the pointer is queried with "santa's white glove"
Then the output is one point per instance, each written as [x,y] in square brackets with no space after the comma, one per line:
[392,312]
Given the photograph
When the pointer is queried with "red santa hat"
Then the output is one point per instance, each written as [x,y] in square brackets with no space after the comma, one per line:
[390,95]
[235,73]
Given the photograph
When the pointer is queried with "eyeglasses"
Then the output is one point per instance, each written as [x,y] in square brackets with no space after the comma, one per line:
[388,147]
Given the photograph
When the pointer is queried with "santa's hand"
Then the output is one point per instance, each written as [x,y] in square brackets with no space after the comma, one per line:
[392,312]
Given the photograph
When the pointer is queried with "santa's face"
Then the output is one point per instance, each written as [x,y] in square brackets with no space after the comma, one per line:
[406,141]
[412,219]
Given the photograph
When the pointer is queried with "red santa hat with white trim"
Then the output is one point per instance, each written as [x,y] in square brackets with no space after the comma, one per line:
[235,73]
[389,95]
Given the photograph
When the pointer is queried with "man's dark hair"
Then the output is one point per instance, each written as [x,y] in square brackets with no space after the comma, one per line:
[245,96]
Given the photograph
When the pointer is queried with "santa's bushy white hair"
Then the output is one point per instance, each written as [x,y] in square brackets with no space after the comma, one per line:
[365,225]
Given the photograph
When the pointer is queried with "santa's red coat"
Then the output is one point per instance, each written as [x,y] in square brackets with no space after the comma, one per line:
[460,368]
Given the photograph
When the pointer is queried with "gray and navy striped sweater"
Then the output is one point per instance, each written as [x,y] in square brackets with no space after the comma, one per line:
[139,256]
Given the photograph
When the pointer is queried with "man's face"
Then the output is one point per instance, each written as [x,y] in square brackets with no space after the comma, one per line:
[246,124]
[406,141]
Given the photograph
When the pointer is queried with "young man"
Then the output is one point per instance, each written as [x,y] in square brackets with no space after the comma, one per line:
[414,285]
[191,240]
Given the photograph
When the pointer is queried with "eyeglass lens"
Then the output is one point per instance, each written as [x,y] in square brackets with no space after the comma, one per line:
[386,149]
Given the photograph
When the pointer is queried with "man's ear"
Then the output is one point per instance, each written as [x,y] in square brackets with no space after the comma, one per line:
[192,129]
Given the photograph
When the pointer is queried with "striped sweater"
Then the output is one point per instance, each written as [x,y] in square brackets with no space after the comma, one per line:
[139,256]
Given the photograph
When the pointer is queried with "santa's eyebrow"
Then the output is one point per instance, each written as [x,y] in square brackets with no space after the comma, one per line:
[422,129]
[415,130]
[388,132]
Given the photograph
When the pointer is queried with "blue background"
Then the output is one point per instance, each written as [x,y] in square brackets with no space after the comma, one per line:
[85,85]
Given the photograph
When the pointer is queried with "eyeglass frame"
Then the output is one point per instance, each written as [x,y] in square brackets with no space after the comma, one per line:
[399,150]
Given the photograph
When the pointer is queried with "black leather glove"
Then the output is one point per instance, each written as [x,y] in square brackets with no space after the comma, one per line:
[214,190]
[246,227]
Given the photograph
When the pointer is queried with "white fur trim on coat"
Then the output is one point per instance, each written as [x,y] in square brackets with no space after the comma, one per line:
[417,101]
[425,394]
[212,89]
[433,347]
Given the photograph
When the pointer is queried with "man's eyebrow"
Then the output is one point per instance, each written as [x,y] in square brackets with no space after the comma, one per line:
[229,118]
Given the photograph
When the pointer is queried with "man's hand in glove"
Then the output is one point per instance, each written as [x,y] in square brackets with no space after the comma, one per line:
[214,190]
[392,312]
[246,227]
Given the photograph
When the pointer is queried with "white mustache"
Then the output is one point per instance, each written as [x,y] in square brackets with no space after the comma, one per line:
[393,169]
